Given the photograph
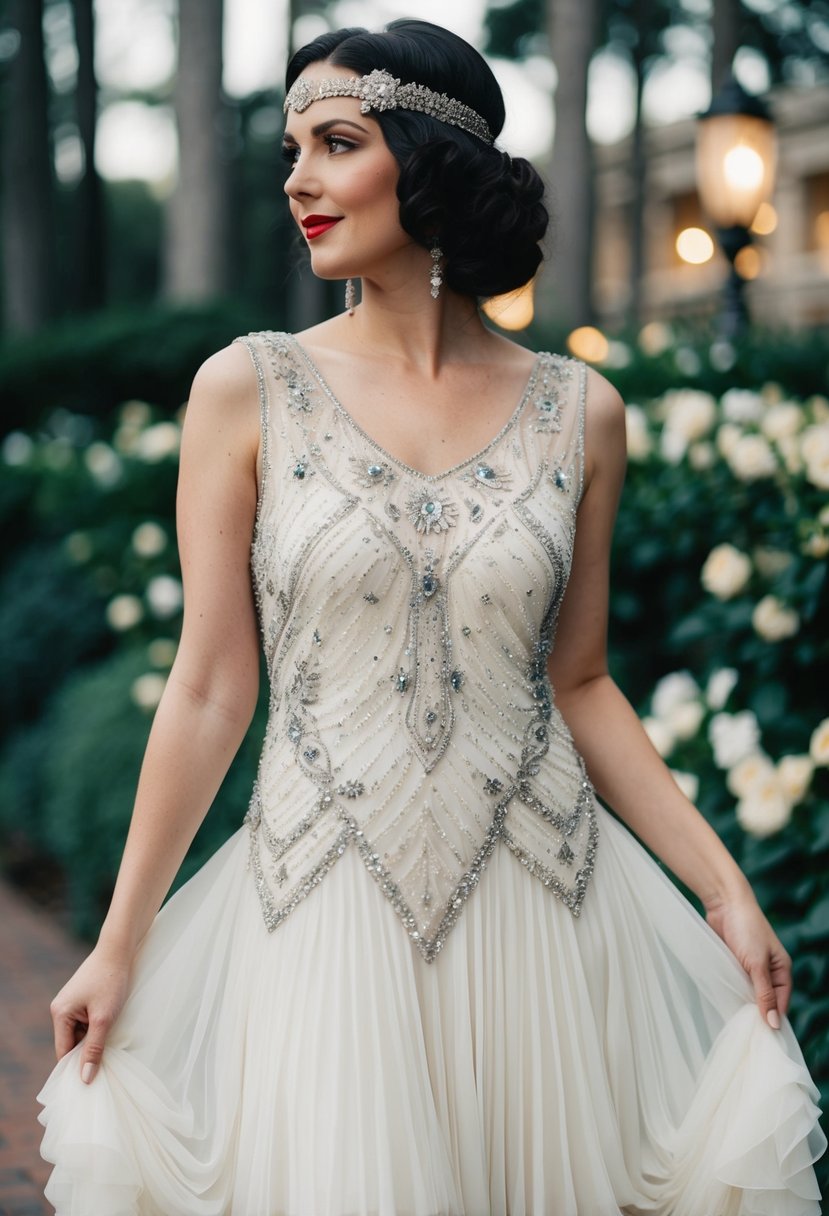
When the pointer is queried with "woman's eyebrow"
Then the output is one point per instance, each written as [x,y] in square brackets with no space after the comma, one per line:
[322,127]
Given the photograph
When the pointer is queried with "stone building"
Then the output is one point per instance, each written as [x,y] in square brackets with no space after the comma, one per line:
[788,266]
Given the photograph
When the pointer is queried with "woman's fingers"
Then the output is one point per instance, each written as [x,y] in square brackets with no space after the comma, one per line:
[66,1025]
[772,984]
[93,1048]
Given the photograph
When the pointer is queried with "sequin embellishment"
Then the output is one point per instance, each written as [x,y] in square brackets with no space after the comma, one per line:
[426,735]
[431,512]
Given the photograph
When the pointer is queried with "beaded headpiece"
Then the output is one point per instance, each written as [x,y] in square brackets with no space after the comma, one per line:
[379,90]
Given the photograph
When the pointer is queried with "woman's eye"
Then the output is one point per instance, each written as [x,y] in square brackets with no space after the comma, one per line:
[334,143]
[337,143]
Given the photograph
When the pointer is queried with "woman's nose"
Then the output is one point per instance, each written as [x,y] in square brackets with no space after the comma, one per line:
[300,181]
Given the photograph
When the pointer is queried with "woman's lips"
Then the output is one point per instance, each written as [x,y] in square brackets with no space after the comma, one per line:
[316,225]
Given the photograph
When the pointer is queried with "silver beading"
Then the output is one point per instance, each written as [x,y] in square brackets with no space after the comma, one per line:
[379,90]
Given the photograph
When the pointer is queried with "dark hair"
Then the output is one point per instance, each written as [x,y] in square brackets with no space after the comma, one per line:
[485,207]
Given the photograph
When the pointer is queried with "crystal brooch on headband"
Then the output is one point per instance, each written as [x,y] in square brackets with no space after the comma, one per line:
[379,90]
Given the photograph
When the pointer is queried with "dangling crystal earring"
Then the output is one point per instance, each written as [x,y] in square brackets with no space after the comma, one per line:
[435,276]
[350,296]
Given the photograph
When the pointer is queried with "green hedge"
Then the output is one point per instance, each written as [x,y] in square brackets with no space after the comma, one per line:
[91,365]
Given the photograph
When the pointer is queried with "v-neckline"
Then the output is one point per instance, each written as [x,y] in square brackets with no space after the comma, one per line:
[395,460]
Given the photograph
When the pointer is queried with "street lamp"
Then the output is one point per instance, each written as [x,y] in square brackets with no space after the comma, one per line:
[736,163]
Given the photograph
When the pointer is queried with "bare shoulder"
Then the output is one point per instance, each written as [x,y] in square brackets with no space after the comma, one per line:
[224,399]
[603,405]
[604,428]
[226,376]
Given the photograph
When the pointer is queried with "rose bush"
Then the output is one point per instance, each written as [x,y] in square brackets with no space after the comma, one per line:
[724,560]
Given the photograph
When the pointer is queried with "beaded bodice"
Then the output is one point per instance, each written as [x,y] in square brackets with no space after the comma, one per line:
[406,620]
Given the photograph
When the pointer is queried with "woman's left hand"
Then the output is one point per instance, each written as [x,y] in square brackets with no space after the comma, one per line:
[751,939]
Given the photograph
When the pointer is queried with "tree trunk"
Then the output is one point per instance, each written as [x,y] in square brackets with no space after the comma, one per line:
[196,247]
[90,231]
[638,168]
[572,28]
[305,293]
[28,216]
[725,26]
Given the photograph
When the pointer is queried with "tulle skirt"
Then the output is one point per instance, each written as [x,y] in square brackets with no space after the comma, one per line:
[541,1066]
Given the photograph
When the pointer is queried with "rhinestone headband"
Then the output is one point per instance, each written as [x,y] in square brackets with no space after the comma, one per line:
[379,90]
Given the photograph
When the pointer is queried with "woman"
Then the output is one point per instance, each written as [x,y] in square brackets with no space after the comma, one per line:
[432,975]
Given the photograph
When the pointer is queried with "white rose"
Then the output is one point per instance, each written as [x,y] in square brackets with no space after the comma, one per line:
[733,736]
[814,442]
[741,405]
[659,735]
[79,547]
[164,596]
[819,407]
[639,442]
[751,458]
[161,652]
[135,413]
[672,446]
[789,449]
[655,337]
[672,690]
[721,684]
[782,421]
[816,545]
[702,456]
[688,783]
[158,442]
[149,539]
[18,448]
[728,436]
[794,774]
[146,690]
[765,810]
[124,611]
[819,744]
[773,621]
[817,471]
[749,773]
[689,412]
[725,572]
[771,562]
[104,464]
[685,720]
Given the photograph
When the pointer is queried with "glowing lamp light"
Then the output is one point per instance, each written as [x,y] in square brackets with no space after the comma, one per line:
[748,262]
[736,165]
[512,311]
[695,246]
[736,157]
[589,344]
[765,221]
[822,230]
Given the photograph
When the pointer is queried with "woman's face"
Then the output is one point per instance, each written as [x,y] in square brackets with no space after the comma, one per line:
[342,187]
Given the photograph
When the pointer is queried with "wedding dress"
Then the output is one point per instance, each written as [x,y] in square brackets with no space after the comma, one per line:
[430,975]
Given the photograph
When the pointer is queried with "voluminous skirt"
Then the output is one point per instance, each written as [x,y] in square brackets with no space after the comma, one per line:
[541,1066]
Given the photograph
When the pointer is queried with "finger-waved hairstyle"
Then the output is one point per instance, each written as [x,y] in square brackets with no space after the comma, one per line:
[485,208]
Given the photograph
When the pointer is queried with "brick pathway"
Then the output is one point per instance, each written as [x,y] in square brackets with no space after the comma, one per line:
[36,958]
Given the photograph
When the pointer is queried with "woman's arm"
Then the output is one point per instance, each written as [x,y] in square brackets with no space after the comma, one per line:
[623,765]
[210,695]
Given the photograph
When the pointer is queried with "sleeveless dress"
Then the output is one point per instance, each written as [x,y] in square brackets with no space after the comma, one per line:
[430,975]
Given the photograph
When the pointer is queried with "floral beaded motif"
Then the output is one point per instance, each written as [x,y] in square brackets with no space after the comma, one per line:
[406,620]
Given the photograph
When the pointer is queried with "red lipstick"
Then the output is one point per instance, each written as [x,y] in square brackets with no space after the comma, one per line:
[315,225]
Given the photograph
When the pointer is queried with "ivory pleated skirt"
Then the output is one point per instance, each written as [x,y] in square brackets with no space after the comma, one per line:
[542,1065]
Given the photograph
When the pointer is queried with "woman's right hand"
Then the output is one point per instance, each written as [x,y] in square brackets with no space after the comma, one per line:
[87,1005]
